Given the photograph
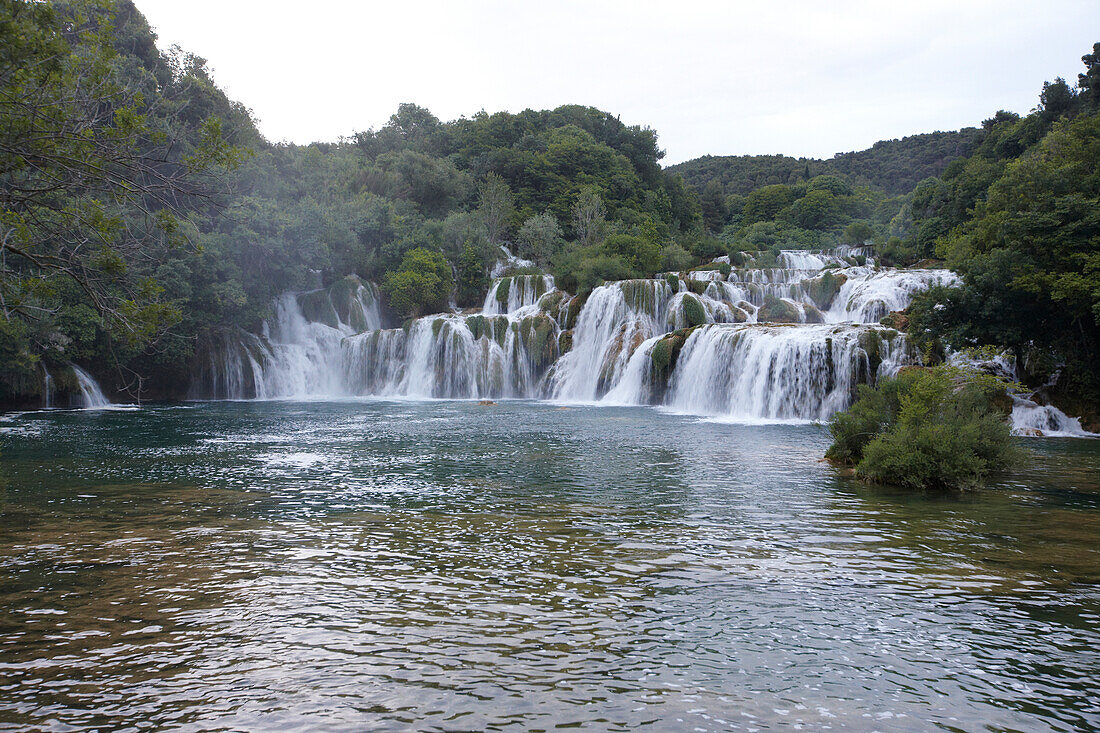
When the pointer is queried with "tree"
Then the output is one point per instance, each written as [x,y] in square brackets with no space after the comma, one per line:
[422,284]
[588,216]
[1089,82]
[95,175]
[858,232]
[473,277]
[495,206]
[1056,100]
[713,204]
[540,237]
[936,428]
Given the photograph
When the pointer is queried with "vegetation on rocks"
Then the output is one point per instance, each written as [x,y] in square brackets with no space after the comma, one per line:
[935,428]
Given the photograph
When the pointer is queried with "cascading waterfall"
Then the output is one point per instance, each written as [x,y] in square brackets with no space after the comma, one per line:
[329,342]
[298,349]
[870,296]
[786,342]
[615,320]
[508,295]
[1029,416]
[91,396]
[760,372]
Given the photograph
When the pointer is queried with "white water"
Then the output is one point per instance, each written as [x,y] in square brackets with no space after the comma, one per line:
[91,396]
[614,322]
[754,372]
[1029,417]
[523,293]
[47,389]
[775,344]
[867,296]
[509,262]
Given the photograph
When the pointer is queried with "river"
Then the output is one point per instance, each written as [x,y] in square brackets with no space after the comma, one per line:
[445,565]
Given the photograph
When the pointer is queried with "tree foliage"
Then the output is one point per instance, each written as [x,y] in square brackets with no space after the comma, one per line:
[103,157]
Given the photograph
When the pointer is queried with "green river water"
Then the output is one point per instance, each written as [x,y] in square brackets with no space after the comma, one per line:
[371,565]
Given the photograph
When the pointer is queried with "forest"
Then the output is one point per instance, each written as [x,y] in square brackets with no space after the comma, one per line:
[143,214]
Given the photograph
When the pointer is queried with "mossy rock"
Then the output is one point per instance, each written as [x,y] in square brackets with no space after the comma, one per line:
[540,286]
[698,286]
[871,343]
[551,302]
[576,305]
[824,288]
[317,307]
[663,357]
[695,314]
[673,282]
[537,334]
[437,326]
[503,288]
[896,319]
[565,342]
[478,325]
[813,315]
[776,310]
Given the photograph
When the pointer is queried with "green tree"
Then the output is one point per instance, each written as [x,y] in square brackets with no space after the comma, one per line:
[589,216]
[495,206]
[858,232]
[95,176]
[926,429]
[1089,82]
[473,277]
[422,284]
[713,205]
[540,238]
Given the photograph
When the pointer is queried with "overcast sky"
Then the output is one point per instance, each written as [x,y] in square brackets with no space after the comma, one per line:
[800,78]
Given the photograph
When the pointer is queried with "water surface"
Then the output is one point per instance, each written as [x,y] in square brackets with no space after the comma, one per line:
[450,566]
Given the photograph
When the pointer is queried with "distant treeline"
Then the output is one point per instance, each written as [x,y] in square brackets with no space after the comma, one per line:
[892,166]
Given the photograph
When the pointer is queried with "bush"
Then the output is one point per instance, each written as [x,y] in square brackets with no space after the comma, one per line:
[926,429]
[675,258]
[422,284]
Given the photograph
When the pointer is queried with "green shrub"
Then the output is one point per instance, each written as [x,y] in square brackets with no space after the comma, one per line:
[422,284]
[939,428]
[722,267]
[675,258]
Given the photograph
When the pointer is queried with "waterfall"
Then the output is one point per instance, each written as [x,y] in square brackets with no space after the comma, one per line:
[509,262]
[615,320]
[1029,418]
[755,372]
[508,295]
[91,396]
[749,343]
[866,296]
[298,351]
[47,388]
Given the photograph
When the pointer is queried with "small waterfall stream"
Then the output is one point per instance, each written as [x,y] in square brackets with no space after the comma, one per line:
[783,343]
[91,396]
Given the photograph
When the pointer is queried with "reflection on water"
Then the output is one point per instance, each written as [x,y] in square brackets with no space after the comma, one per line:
[448,566]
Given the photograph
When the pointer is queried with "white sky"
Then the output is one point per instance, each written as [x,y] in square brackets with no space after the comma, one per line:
[725,78]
